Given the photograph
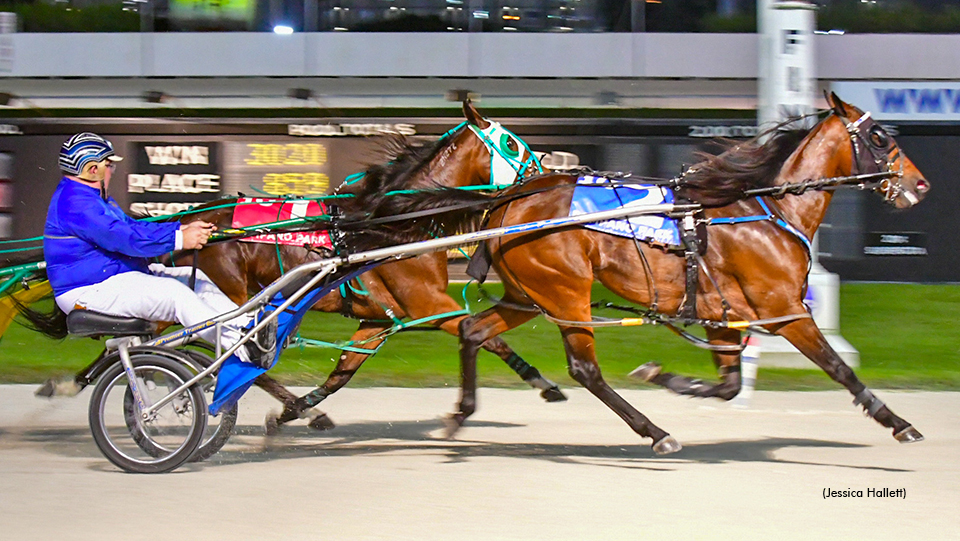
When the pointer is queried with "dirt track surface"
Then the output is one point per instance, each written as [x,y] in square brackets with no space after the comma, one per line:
[521,469]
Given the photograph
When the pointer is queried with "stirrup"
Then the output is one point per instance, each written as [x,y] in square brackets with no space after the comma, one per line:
[262,348]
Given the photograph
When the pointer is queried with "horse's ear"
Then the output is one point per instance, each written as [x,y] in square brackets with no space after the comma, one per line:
[836,104]
[473,116]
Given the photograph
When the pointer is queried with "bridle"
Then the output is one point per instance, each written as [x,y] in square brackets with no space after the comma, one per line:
[872,148]
[506,164]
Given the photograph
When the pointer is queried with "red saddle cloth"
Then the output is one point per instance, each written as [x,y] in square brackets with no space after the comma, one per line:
[266,211]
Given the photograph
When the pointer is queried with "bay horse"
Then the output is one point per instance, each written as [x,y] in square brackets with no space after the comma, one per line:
[751,271]
[478,152]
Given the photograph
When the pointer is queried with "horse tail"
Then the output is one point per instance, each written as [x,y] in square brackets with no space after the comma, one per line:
[52,323]
[410,217]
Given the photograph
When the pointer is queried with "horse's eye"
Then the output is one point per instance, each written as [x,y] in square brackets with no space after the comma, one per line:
[509,146]
[878,138]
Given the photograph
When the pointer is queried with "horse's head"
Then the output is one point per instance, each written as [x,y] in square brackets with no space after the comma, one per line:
[504,157]
[875,151]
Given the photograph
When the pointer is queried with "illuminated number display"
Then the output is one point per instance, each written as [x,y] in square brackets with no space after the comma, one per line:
[278,155]
[279,168]
[296,183]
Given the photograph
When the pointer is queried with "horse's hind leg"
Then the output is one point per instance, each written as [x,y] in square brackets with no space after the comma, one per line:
[728,366]
[55,387]
[347,366]
[583,367]
[806,337]
[549,390]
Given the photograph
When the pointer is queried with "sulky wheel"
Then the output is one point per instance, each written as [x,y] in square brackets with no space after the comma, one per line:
[174,432]
[219,427]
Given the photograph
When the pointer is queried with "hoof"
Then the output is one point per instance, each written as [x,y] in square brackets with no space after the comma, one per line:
[53,388]
[47,389]
[321,422]
[908,435]
[271,425]
[553,394]
[646,372]
[666,445]
[451,425]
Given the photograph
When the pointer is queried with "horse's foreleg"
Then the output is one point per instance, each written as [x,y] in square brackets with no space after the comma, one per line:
[806,337]
[475,331]
[728,367]
[347,366]
[582,365]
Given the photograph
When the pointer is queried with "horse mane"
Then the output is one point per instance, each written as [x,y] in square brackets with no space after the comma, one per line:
[416,216]
[372,218]
[406,158]
[722,179]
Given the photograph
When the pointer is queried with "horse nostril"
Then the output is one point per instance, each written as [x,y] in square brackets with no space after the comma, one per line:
[923,186]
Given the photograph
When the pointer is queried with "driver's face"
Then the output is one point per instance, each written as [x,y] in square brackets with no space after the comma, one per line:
[108,168]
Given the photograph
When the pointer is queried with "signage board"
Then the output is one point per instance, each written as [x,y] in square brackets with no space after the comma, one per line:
[171,177]
[888,100]
[214,10]
[910,243]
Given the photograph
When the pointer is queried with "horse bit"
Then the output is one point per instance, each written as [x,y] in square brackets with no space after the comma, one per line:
[865,133]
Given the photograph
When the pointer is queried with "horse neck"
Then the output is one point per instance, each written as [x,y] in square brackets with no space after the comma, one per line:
[824,153]
[452,167]
[456,166]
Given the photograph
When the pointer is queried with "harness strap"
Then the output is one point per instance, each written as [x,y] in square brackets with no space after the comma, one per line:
[346,307]
[397,327]
[665,320]
[345,346]
[770,216]
[691,249]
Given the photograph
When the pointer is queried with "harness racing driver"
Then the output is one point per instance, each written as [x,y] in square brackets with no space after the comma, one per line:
[98,257]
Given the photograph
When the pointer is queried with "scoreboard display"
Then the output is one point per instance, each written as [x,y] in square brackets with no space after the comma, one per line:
[171,176]
[281,168]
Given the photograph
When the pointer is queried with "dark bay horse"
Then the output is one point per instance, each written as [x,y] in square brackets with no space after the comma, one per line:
[750,271]
[479,152]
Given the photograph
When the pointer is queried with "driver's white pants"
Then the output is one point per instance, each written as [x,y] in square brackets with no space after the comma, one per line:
[162,295]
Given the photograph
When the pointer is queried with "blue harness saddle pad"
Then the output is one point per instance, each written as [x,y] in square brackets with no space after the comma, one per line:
[594,194]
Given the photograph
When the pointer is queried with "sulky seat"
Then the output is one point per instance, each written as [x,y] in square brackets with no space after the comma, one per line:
[95,325]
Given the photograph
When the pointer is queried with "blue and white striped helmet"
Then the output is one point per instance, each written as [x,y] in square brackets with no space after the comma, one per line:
[82,149]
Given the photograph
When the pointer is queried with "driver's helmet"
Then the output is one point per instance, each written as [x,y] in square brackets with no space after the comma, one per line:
[82,149]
